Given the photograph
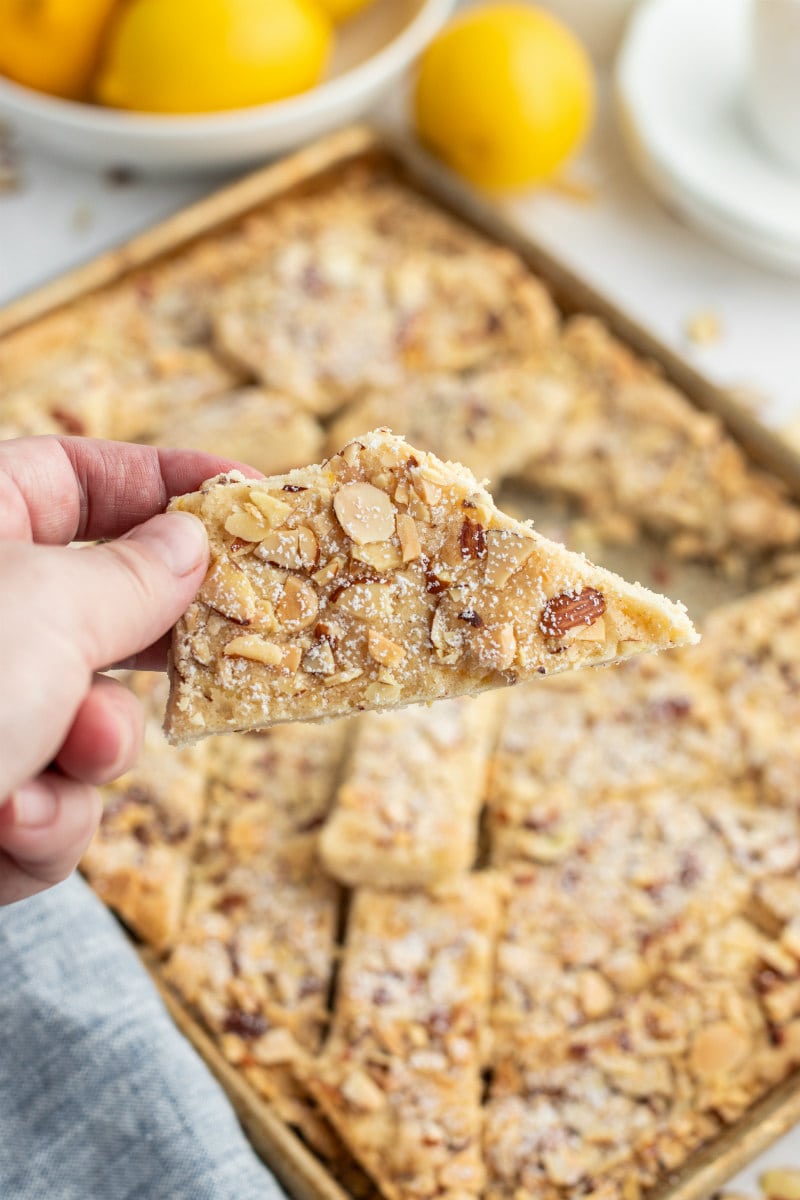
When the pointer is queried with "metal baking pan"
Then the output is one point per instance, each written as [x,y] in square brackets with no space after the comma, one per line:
[296,1166]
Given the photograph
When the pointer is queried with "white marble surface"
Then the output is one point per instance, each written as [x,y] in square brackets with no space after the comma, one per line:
[621,239]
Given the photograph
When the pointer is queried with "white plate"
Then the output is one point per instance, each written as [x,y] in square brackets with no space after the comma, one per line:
[680,82]
[372,53]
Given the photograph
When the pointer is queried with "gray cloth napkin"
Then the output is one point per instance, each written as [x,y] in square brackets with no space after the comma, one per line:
[100,1096]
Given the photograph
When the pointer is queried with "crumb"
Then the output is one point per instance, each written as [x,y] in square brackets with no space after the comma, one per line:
[704,328]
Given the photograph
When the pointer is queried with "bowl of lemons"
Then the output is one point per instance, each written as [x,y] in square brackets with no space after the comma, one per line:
[182,86]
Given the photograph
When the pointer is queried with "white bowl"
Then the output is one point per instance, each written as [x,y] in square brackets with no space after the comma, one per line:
[372,52]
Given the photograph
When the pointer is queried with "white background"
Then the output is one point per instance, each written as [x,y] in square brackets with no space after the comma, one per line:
[620,239]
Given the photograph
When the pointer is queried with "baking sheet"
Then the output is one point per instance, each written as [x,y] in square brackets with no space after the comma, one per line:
[300,1171]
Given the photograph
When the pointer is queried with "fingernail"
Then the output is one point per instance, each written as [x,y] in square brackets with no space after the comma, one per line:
[35,806]
[179,539]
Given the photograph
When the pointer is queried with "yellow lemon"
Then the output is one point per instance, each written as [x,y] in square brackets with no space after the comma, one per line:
[52,45]
[191,56]
[343,10]
[504,95]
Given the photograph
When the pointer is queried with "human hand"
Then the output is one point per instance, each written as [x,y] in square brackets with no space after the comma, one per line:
[67,613]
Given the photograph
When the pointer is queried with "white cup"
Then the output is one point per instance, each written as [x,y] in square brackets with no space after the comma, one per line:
[774,78]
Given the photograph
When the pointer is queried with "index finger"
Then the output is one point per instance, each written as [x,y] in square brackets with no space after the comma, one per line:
[55,490]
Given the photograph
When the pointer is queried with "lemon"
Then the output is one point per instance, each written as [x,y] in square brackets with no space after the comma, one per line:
[191,56]
[52,45]
[343,10]
[504,95]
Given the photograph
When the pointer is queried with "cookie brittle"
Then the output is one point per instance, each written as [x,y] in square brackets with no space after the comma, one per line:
[384,578]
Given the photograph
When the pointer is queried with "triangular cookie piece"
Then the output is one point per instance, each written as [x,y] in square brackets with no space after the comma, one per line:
[381,578]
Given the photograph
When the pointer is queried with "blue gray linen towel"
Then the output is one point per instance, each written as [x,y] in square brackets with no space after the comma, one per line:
[100,1096]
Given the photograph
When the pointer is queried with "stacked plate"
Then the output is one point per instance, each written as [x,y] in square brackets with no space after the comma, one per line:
[680,84]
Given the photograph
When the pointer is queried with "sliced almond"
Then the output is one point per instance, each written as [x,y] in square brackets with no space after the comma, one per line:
[506,553]
[418,509]
[273,510]
[479,508]
[351,452]
[246,523]
[298,606]
[270,654]
[718,1050]
[319,660]
[264,620]
[307,547]
[383,694]
[588,633]
[294,549]
[381,556]
[228,591]
[329,571]
[201,650]
[448,643]
[428,491]
[401,492]
[595,994]
[361,1093]
[256,649]
[409,538]
[495,646]
[383,650]
[365,513]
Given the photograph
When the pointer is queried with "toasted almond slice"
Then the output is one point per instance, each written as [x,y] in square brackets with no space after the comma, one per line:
[409,537]
[256,649]
[381,556]
[506,553]
[365,513]
[495,647]
[270,654]
[329,571]
[298,606]
[273,510]
[247,524]
[384,650]
[294,549]
[319,659]
[228,591]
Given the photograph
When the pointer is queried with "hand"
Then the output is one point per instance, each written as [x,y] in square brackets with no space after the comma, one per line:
[67,613]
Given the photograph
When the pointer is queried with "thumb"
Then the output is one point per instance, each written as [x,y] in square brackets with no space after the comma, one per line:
[120,597]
